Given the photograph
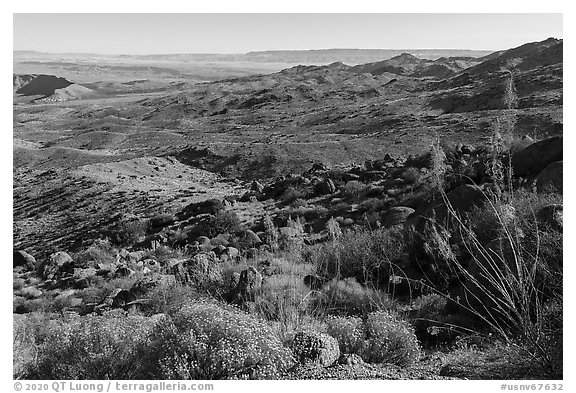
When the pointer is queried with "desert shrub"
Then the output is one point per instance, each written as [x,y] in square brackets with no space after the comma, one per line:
[291,238]
[271,232]
[371,205]
[509,280]
[128,232]
[298,203]
[365,255]
[340,208]
[433,325]
[168,298]
[348,297]
[285,299]
[221,222]
[380,338]
[89,347]
[161,220]
[309,212]
[291,194]
[348,331]
[101,251]
[389,340]
[353,189]
[208,341]
[411,175]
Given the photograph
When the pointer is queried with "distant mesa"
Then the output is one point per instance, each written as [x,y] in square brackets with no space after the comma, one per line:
[49,87]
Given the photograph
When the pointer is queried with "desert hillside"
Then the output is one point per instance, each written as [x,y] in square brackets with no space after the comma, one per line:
[332,214]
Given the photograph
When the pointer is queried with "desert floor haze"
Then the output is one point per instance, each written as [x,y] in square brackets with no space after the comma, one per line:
[322,214]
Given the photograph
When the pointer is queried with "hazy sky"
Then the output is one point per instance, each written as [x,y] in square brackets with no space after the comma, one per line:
[240,33]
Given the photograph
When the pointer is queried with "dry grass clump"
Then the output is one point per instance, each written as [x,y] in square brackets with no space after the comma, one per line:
[362,254]
[348,297]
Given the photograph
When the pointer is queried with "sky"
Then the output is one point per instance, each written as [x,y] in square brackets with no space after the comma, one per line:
[240,33]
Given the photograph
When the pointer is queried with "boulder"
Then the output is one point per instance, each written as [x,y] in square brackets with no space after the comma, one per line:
[22,258]
[204,269]
[537,156]
[318,348]
[257,186]
[136,256]
[350,359]
[467,149]
[461,200]
[396,215]
[123,271]
[327,187]
[249,283]
[150,282]
[550,179]
[30,292]
[57,265]
[552,216]
[179,271]
[120,298]
[252,238]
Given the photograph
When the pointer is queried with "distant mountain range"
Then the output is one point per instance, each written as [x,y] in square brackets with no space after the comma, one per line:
[313,56]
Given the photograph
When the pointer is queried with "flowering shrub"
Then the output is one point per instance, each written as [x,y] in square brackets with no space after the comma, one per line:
[348,331]
[207,341]
[381,338]
[74,347]
[389,340]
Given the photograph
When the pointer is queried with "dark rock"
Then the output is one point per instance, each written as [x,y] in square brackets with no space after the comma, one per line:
[257,186]
[22,258]
[534,158]
[249,283]
[123,271]
[121,298]
[396,215]
[550,179]
[467,149]
[318,167]
[319,348]
[179,271]
[552,216]
[327,187]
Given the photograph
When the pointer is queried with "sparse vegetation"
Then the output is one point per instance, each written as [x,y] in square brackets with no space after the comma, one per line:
[137,256]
